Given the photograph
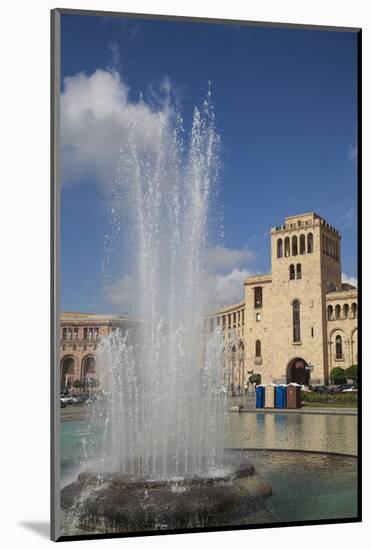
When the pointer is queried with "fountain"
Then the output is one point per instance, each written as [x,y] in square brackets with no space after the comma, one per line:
[161,463]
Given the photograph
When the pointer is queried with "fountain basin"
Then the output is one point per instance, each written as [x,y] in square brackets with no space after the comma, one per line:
[115,503]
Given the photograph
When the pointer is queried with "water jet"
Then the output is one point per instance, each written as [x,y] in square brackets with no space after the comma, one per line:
[158,460]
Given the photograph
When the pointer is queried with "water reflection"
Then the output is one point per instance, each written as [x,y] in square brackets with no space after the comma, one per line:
[309,432]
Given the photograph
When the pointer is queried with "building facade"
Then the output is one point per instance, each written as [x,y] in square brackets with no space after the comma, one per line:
[297,322]
[79,337]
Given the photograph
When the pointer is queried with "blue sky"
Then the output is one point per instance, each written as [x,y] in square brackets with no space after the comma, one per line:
[285,104]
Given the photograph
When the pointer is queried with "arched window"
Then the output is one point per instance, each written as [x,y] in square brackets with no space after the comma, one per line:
[64,333]
[298,271]
[296,320]
[354,310]
[330,313]
[310,243]
[337,312]
[287,247]
[345,311]
[279,248]
[339,347]
[294,245]
[258,348]
[292,272]
[258,297]
[302,244]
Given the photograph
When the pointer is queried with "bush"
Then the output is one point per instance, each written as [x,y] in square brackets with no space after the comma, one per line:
[337,375]
[77,384]
[352,373]
[314,397]
[255,379]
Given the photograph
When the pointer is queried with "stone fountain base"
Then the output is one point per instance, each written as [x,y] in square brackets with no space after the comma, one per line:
[112,503]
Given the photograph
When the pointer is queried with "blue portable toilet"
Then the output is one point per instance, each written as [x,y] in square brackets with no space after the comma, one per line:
[281,396]
[260,396]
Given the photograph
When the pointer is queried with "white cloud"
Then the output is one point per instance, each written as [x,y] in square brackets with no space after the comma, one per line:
[228,288]
[220,258]
[123,295]
[227,271]
[349,279]
[96,118]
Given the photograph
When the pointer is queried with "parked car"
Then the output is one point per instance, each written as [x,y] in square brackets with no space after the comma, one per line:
[66,399]
[79,398]
[342,387]
[74,399]
[63,403]
[353,389]
[321,389]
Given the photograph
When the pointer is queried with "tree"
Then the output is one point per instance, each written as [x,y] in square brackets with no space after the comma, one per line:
[337,375]
[255,379]
[352,373]
[77,384]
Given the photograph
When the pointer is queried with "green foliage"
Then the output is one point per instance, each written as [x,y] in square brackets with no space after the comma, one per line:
[337,375]
[255,379]
[352,372]
[77,384]
[314,397]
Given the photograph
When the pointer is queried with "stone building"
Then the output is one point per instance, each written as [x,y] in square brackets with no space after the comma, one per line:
[79,337]
[297,322]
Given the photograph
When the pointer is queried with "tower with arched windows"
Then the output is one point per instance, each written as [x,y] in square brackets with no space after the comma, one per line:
[305,256]
[298,321]
[287,327]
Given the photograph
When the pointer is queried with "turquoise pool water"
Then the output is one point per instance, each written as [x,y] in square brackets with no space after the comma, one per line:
[306,485]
